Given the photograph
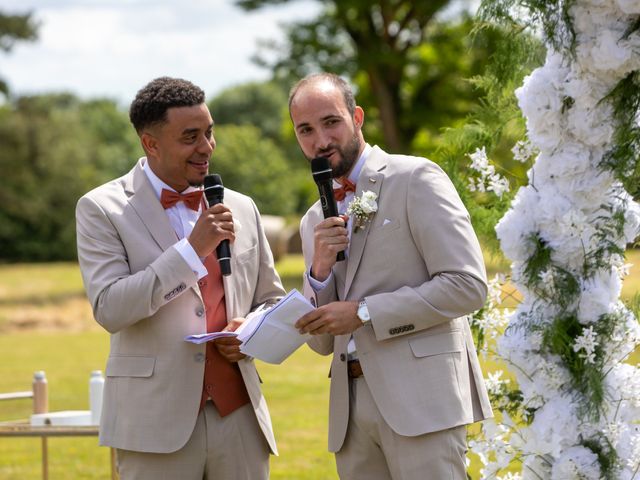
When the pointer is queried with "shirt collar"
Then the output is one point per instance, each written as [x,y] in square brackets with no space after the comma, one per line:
[157,184]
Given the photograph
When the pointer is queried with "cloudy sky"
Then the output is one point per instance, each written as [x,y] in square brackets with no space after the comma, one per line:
[113,47]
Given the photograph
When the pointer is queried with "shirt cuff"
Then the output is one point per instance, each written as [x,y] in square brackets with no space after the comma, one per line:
[317,285]
[190,256]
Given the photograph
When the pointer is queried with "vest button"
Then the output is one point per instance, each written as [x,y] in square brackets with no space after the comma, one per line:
[343,357]
[199,312]
[199,357]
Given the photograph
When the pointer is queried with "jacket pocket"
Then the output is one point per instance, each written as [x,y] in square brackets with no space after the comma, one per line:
[130,366]
[428,345]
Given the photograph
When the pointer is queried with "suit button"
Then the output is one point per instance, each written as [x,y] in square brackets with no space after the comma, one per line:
[199,312]
[343,357]
[199,357]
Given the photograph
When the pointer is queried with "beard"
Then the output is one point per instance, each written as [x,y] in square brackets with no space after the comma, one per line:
[348,156]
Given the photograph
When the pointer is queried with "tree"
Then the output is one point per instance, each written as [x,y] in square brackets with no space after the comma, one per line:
[54,149]
[253,165]
[12,29]
[380,46]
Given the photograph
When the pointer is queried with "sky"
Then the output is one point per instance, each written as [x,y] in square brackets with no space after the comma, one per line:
[111,48]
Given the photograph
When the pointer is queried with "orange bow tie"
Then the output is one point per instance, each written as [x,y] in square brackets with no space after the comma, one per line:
[341,192]
[169,198]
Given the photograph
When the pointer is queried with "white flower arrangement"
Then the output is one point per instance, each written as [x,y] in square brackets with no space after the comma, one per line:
[573,219]
[363,208]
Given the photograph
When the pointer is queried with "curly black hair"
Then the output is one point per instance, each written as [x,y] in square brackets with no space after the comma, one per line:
[154,99]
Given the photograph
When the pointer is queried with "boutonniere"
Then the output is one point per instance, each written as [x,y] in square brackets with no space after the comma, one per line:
[362,208]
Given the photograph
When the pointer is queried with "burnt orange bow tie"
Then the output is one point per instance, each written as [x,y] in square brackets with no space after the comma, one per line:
[341,192]
[169,198]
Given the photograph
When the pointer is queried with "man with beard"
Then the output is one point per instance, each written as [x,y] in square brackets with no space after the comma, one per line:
[147,250]
[405,377]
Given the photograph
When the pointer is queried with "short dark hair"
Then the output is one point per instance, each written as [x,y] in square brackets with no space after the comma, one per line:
[338,82]
[154,99]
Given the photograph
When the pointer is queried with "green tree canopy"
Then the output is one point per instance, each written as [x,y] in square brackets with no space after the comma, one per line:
[54,149]
[12,29]
[252,164]
[381,46]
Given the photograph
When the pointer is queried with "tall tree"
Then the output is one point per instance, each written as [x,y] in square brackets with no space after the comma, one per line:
[12,29]
[380,39]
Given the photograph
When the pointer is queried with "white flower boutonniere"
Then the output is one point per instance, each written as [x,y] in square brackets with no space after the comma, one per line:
[362,208]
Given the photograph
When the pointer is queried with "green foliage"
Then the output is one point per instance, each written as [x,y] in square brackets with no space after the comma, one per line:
[409,67]
[551,15]
[254,166]
[263,105]
[607,456]
[624,158]
[55,148]
[495,122]
[12,29]
[586,378]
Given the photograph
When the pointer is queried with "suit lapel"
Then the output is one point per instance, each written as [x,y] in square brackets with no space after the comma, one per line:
[144,201]
[371,178]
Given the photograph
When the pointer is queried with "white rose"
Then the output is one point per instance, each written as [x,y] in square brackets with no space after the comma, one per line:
[369,204]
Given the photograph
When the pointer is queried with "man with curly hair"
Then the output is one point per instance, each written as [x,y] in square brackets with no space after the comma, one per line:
[146,247]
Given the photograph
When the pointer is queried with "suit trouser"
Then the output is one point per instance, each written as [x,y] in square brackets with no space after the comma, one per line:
[220,448]
[373,451]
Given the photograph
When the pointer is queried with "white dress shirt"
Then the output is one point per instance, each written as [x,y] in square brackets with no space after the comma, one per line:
[342,209]
[182,219]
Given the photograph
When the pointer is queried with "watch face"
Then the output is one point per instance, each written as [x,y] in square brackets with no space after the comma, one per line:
[363,312]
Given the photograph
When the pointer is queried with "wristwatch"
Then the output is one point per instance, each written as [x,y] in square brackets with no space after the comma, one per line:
[363,313]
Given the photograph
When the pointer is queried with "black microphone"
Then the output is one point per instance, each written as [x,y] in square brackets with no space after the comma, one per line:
[321,171]
[214,191]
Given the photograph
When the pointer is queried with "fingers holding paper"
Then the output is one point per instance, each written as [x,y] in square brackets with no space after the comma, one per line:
[335,318]
[229,347]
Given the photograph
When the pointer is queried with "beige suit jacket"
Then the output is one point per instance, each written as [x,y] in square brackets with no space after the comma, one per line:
[145,294]
[419,266]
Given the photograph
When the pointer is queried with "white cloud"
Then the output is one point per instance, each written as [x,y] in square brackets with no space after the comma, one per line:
[108,48]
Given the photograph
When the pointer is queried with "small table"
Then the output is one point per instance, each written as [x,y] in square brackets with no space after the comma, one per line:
[25,429]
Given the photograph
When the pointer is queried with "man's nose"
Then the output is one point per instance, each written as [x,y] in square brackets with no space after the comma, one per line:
[207,145]
[323,141]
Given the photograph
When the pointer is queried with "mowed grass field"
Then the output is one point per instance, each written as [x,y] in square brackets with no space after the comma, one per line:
[46,324]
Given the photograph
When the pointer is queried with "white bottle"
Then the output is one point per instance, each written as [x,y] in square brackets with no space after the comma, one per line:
[40,394]
[96,385]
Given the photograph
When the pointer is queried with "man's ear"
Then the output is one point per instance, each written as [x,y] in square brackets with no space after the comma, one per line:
[358,117]
[149,143]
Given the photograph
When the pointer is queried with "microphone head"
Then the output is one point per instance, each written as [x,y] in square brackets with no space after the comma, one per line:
[321,169]
[213,187]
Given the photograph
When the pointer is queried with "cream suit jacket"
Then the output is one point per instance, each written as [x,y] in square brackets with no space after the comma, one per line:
[145,294]
[419,266]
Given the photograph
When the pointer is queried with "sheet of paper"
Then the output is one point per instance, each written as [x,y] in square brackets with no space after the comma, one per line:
[268,335]
[271,336]
[206,337]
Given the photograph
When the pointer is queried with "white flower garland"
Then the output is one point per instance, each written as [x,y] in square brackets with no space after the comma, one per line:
[563,236]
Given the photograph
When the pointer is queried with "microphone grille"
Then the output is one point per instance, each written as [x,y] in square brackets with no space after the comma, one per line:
[212,180]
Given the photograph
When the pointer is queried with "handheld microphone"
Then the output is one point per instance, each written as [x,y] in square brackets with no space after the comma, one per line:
[321,171]
[214,191]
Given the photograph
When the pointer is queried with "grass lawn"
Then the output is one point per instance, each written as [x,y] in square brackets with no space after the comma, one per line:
[46,324]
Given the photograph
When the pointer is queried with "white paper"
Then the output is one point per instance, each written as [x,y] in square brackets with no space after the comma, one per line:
[271,335]
[268,335]
[206,337]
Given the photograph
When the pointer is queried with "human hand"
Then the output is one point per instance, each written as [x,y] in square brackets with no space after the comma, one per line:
[229,347]
[329,237]
[335,318]
[214,225]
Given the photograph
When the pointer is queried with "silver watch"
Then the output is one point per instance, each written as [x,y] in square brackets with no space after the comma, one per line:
[363,313]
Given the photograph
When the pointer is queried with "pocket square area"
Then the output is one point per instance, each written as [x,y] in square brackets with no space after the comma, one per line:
[386,220]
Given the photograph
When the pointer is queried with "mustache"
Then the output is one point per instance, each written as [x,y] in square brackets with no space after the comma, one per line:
[328,149]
